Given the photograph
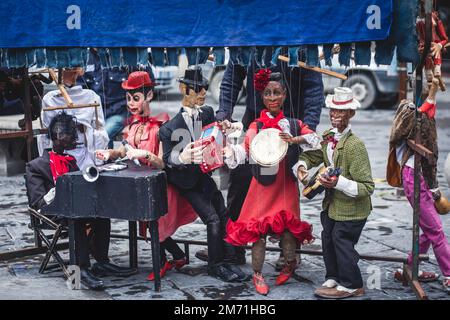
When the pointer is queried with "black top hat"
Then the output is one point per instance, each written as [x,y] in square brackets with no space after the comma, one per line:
[194,77]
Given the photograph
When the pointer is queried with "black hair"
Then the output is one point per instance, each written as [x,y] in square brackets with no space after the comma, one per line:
[278,77]
[143,90]
[62,123]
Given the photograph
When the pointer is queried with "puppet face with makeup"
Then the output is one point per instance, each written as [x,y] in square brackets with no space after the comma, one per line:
[138,101]
[63,132]
[273,96]
[193,87]
[139,88]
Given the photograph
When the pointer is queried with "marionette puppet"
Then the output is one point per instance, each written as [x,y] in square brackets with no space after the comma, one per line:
[271,207]
[347,202]
[41,176]
[439,42]
[400,173]
[142,144]
[183,156]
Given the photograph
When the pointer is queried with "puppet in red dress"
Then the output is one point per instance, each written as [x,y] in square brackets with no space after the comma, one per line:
[272,203]
[144,145]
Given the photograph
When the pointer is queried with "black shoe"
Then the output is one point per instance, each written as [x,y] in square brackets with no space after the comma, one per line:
[242,276]
[202,255]
[108,269]
[90,281]
[222,273]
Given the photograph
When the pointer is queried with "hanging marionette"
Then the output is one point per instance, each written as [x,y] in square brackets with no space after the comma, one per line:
[438,43]
[402,155]
[400,173]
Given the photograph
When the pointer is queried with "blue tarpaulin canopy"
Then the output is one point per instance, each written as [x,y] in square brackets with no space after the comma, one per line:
[57,33]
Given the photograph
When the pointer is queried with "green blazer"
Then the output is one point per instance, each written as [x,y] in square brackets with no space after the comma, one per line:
[350,155]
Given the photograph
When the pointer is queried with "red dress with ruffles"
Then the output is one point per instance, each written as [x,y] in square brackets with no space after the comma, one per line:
[180,211]
[270,209]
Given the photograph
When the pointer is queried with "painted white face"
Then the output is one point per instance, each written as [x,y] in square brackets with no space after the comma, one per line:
[138,104]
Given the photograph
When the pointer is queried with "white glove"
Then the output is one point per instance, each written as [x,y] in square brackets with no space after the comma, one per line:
[102,154]
[137,153]
[191,155]
[50,196]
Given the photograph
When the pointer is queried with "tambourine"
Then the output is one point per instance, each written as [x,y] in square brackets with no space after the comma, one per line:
[267,148]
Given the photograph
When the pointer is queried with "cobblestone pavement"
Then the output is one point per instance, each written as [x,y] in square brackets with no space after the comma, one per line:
[387,232]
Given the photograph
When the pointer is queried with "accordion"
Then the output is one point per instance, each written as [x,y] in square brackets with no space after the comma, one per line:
[314,187]
[212,137]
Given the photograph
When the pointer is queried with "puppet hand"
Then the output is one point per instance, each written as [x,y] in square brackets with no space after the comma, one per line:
[235,126]
[136,153]
[225,125]
[227,152]
[192,155]
[436,49]
[287,137]
[302,173]
[329,183]
[102,154]
[50,196]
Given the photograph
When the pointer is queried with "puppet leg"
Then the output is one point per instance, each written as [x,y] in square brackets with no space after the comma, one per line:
[289,244]
[258,256]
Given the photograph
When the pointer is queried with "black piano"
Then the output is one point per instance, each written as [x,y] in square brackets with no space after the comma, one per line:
[133,194]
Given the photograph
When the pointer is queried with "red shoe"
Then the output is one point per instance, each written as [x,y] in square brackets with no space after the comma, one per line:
[260,284]
[179,263]
[286,273]
[167,266]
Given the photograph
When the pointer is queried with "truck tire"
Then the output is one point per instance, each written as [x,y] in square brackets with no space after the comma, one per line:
[363,87]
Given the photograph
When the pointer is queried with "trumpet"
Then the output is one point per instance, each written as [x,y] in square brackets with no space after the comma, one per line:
[91,173]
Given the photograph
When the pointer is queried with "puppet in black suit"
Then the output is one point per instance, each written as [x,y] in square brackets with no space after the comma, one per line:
[182,159]
[41,175]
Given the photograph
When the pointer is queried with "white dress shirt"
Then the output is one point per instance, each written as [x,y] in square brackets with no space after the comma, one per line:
[195,127]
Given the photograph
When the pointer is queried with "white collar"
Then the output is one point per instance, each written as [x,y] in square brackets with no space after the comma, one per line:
[192,111]
[338,135]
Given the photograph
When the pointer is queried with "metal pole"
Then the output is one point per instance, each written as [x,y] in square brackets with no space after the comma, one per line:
[403,81]
[418,100]
[27,112]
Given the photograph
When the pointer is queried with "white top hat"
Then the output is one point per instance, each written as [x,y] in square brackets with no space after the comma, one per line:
[342,99]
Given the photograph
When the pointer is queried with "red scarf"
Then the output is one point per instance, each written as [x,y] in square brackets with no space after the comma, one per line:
[59,164]
[160,118]
[270,122]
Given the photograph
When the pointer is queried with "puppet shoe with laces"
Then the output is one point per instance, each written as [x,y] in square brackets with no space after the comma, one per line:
[260,284]
[106,269]
[168,265]
[286,272]
[339,292]
[180,263]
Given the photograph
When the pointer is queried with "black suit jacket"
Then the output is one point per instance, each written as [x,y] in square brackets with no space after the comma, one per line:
[39,179]
[173,141]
